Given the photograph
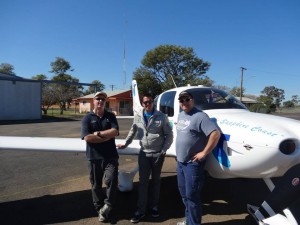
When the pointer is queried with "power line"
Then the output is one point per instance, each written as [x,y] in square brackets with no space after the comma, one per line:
[277,73]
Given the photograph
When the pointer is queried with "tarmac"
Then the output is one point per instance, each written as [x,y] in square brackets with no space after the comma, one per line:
[53,187]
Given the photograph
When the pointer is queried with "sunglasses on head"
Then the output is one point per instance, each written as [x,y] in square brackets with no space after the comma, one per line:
[147,102]
[184,100]
[102,99]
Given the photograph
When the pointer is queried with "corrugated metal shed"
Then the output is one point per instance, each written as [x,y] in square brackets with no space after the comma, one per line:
[20,99]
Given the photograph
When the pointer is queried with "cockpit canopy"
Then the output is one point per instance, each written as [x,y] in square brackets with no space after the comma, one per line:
[205,99]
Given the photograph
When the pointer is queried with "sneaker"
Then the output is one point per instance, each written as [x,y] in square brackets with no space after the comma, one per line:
[103,212]
[101,217]
[182,223]
[154,212]
[137,217]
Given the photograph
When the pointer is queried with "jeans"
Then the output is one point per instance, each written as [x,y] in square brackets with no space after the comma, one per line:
[149,163]
[107,168]
[190,178]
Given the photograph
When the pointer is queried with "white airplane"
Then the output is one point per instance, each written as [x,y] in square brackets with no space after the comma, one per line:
[252,145]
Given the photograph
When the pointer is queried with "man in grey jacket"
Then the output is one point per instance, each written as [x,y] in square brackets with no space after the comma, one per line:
[155,134]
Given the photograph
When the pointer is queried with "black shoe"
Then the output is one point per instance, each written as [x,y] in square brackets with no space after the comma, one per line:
[137,217]
[154,212]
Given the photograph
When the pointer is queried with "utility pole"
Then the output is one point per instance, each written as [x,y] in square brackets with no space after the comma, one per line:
[242,77]
[112,86]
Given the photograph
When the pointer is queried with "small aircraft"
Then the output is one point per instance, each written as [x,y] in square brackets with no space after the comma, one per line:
[252,145]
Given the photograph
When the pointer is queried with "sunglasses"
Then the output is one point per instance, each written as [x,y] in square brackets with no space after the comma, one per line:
[185,100]
[147,102]
[102,99]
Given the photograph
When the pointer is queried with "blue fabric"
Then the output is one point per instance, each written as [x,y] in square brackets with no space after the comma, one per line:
[190,178]
[147,116]
[219,152]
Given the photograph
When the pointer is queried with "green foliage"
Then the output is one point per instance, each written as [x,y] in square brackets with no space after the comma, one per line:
[39,77]
[64,92]
[295,99]
[236,91]
[259,108]
[289,104]
[91,89]
[147,82]
[273,96]
[60,66]
[168,62]
[7,68]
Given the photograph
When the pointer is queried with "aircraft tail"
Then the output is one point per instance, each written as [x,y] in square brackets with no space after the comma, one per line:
[135,97]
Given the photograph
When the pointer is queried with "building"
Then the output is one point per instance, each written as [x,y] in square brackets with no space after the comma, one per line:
[247,101]
[119,102]
[20,98]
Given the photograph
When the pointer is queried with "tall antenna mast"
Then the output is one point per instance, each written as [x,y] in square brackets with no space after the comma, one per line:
[124,66]
[124,56]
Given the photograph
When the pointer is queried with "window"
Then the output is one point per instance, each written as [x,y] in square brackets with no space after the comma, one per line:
[167,103]
[210,98]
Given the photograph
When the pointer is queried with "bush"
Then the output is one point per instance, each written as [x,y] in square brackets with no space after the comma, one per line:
[259,108]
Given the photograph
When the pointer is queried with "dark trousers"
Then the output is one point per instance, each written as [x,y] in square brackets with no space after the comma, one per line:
[107,169]
[190,177]
[149,163]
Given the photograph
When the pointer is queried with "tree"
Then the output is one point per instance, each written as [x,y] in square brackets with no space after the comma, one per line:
[7,68]
[48,93]
[91,89]
[64,92]
[266,101]
[295,99]
[166,63]
[223,87]
[288,104]
[236,91]
[60,66]
[275,94]
[271,97]
[147,82]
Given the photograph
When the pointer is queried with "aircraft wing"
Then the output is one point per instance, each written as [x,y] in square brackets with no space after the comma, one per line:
[57,144]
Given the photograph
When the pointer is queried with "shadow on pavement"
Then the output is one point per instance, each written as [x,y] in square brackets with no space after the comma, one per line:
[220,197]
[43,120]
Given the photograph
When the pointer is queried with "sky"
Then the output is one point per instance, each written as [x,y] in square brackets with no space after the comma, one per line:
[262,36]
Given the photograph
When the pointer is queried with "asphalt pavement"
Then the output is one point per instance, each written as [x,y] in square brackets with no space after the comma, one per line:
[53,187]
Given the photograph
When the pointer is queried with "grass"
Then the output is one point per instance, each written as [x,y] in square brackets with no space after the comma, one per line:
[289,110]
[54,112]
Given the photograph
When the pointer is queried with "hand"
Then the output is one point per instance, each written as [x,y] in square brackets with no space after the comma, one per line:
[121,146]
[199,156]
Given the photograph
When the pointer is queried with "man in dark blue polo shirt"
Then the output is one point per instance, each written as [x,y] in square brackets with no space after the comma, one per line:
[99,129]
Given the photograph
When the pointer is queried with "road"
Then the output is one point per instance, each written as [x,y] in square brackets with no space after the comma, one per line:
[53,188]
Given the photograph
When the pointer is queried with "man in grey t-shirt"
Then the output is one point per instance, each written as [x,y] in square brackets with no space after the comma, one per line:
[197,136]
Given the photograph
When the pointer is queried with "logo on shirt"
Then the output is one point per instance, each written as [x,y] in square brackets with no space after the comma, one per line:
[295,181]
[182,124]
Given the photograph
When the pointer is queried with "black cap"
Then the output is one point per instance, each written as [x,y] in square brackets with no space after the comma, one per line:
[185,93]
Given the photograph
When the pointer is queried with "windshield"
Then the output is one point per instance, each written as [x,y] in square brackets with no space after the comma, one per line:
[211,98]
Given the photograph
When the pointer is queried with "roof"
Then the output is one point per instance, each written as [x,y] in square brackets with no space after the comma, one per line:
[109,94]
[246,100]
[5,76]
